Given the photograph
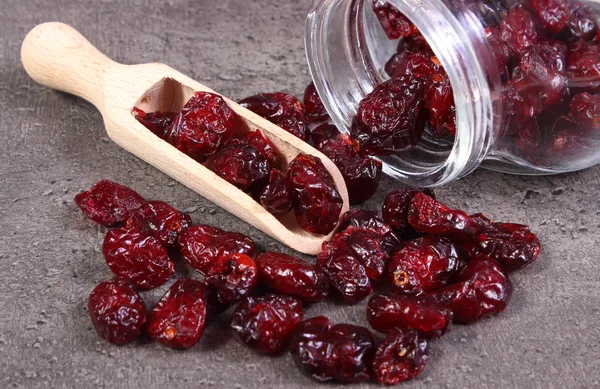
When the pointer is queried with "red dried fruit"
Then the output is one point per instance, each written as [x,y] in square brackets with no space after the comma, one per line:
[583,62]
[109,203]
[394,23]
[585,108]
[528,140]
[274,106]
[518,31]
[137,257]
[157,122]
[232,277]
[324,352]
[422,266]
[324,132]
[385,313]
[179,317]
[401,356]
[361,174]
[265,323]
[315,110]
[415,44]
[242,165]
[499,51]
[551,14]
[117,311]
[360,218]
[396,206]
[566,140]
[297,127]
[292,276]
[202,126]
[429,216]
[265,147]
[439,101]
[582,23]
[161,221]
[317,202]
[202,245]
[420,65]
[276,197]
[511,248]
[482,290]
[390,118]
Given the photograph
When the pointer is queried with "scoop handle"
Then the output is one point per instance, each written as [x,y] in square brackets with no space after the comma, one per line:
[59,57]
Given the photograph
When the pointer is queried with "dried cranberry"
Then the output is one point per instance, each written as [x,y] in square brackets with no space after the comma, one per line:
[161,221]
[567,140]
[552,53]
[499,50]
[528,140]
[422,266]
[439,101]
[276,197]
[324,132]
[109,203]
[401,356]
[361,174]
[265,147]
[179,317]
[232,277]
[429,216]
[346,274]
[292,276]
[117,311]
[396,206]
[202,245]
[582,23]
[552,14]
[583,61]
[324,352]
[157,122]
[243,166]
[315,110]
[394,23]
[511,248]
[317,202]
[202,126]
[420,65]
[385,313]
[585,108]
[415,44]
[370,220]
[390,118]
[518,31]
[137,257]
[483,289]
[274,106]
[297,127]
[265,323]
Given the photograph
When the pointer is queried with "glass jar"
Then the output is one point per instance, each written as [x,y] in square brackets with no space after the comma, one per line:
[347,51]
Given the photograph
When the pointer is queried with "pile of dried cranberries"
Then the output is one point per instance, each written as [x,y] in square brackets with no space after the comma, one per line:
[438,265]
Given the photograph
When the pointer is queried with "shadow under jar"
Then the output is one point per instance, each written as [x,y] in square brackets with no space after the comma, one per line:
[530,111]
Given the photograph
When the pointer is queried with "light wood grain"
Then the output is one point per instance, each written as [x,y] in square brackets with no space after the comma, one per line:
[57,56]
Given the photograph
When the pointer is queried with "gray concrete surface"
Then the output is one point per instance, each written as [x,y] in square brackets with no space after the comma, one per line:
[53,145]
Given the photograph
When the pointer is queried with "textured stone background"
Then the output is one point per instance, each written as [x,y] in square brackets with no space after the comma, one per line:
[53,146]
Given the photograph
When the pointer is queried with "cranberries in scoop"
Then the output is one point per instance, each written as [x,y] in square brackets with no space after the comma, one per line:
[265,323]
[117,311]
[179,317]
[161,221]
[401,356]
[276,196]
[274,106]
[243,166]
[157,122]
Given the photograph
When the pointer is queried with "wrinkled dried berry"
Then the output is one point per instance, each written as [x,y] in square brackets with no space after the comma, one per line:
[394,23]
[422,266]
[109,203]
[390,118]
[292,276]
[315,110]
[482,290]
[420,65]
[528,139]
[439,101]
[274,106]
[157,122]
[360,218]
[202,245]
[324,352]
[583,61]
[385,313]
[297,127]
[401,356]
[137,257]
[324,132]
[232,277]
[179,317]
[117,311]
[276,197]
[243,166]
[396,206]
[518,31]
[361,174]
[265,147]
[265,323]
[317,202]
[552,14]
[161,221]
[567,139]
[585,108]
[511,248]
[202,126]
[582,23]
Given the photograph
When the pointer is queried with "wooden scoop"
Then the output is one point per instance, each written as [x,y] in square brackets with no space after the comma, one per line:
[59,57]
